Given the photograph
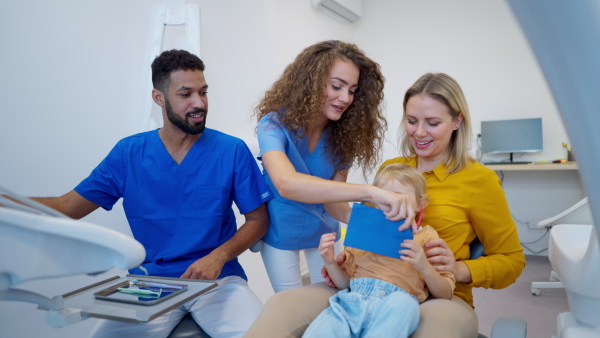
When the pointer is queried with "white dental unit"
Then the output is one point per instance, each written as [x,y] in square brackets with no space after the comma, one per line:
[37,243]
[565,37]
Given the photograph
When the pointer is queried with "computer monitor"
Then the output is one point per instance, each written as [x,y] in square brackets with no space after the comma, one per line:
[512,136]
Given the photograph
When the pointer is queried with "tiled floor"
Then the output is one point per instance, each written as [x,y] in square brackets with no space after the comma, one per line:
[517,301]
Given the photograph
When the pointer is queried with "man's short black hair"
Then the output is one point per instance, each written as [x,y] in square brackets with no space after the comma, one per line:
[170,61]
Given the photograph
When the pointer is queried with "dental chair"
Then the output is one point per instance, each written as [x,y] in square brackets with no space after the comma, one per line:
[504,327]
[554,282]
[37,242]
[574,252]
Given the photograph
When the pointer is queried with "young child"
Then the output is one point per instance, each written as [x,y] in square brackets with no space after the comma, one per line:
[381,294]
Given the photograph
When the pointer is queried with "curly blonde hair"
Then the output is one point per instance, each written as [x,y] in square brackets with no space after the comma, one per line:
[298,95]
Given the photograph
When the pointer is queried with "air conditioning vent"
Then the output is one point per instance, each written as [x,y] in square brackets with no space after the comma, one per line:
[345,10]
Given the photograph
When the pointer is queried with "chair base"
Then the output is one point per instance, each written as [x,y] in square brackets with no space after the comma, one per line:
[553,283]
[188,328]
[506,327]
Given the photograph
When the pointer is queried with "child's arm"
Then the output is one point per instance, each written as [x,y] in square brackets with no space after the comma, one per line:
[339,277]
[438,285]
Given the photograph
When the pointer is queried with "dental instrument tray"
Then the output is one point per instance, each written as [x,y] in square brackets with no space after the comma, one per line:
[140,292]
[83,303]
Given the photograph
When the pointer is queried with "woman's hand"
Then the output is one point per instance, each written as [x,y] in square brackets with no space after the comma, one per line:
[395,207]
[440,256]
[340,259]
[442,259]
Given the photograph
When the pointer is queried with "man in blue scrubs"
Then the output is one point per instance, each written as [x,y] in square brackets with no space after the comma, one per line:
[178,184]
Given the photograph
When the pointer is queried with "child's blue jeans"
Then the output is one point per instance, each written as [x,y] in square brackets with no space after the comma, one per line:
[370,308]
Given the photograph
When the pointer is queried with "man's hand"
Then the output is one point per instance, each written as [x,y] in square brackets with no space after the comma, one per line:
[206,267]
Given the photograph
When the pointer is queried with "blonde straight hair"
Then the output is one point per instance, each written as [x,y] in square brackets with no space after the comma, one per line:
[445,89]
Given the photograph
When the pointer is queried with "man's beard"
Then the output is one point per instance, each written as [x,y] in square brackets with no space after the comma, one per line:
[182,123]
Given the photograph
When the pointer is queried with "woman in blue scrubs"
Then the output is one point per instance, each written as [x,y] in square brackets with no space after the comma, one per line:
[322,116]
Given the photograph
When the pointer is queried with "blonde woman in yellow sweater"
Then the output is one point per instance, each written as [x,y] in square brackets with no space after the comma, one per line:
[466,201]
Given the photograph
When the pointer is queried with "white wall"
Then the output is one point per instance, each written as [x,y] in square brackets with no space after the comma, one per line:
[70,87]
[73,84]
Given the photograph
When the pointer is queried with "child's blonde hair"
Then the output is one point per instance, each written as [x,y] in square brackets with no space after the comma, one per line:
[404,174]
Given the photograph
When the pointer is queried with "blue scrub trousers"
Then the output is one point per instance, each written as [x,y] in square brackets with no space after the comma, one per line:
[373,308]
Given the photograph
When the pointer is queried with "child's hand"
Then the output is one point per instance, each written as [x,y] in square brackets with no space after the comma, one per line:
[340,259]
[415,255]
[326,247]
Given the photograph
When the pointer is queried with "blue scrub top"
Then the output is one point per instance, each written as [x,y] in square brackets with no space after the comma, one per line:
[179,212]
[295,225]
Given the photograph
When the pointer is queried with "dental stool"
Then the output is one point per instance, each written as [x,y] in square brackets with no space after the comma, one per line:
[187,328]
